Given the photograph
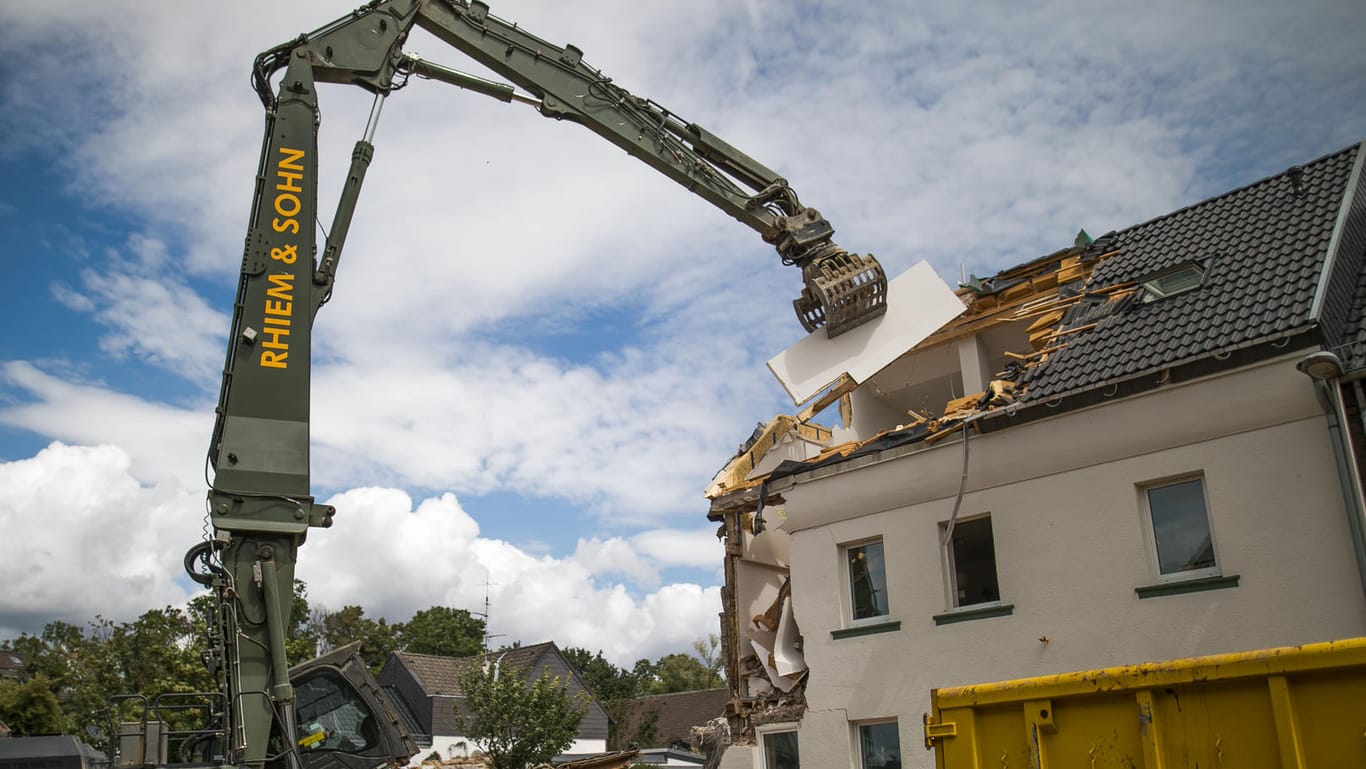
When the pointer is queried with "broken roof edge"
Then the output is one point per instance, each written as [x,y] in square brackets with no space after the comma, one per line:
[999,307]
[1095,248]
[907,439]
[745,499]
[736,472]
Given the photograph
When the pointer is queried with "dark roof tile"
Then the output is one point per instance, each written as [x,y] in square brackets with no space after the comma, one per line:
[1266,246]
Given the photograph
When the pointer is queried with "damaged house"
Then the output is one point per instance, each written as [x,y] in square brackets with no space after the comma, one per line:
[1144,446]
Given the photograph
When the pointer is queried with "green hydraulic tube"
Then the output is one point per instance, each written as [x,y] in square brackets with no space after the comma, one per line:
[281,690]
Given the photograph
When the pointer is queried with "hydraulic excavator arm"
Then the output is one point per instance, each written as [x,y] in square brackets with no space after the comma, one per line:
[841,290]
[260,505]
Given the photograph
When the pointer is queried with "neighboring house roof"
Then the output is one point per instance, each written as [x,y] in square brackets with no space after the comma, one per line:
[441,675]
[666,720]
[407,716]
[434,706]
[11,664]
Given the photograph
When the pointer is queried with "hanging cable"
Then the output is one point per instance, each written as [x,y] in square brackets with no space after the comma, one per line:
[962,486]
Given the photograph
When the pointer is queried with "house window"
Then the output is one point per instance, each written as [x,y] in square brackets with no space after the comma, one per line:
[1173,282]
[971,559]
[780,750]
[879,746]
[867,580]
[1183,544]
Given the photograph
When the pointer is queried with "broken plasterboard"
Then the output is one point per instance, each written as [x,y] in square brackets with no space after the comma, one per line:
[918,304]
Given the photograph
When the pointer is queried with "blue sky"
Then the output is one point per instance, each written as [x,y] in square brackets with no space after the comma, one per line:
[539,350]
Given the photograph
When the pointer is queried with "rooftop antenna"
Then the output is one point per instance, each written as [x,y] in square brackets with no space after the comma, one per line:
[485,616]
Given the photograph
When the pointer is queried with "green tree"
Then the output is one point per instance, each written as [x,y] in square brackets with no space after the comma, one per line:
[30,707]
[159,653]
[443,631]
[605,680]
[378,639]
[156,654]
[614,688]
[301,642]
[646,671]
[74,668]
[679,673]
[709,652]
[515,722]
[683,672]
[49,654]
[94,674]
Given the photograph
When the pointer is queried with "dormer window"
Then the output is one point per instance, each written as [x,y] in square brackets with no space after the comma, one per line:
[1172,282]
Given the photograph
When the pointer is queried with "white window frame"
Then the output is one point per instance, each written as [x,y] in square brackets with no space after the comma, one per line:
[847,584]
[856,739]
[1150,533]
[951,571]
[760,732]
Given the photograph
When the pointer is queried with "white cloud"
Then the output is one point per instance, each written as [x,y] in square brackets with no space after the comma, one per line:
[637,436]
[394,559]
[877,113]
[162,442]
[642,556]
[150,312]
[634,438]
[697,548]
[615,556]
[83,537]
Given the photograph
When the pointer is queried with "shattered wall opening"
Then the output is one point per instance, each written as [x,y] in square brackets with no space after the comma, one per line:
[761,643]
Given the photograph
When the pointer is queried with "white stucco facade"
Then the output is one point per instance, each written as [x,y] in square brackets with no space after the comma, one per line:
[1072,543]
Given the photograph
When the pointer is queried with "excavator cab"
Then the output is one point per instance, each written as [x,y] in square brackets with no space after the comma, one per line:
[343,720]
